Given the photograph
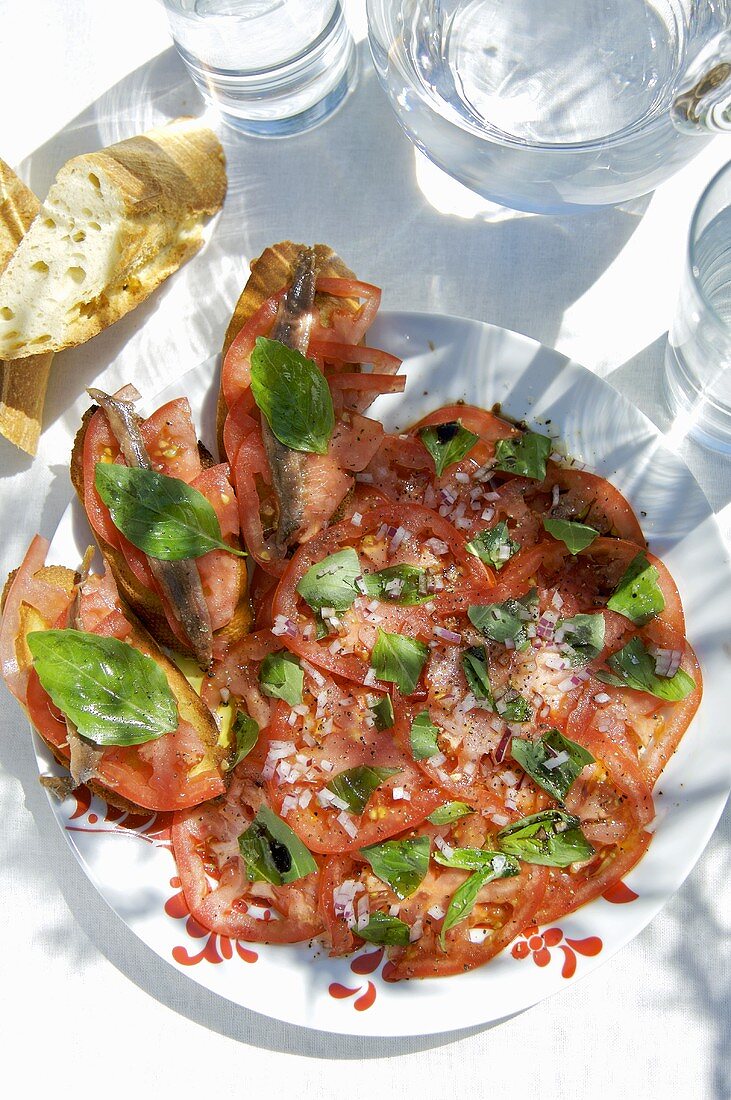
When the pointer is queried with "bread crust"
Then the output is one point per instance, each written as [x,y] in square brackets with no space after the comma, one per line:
[190,705]
[165,182]
[22,385]
[143,601]
[270,273]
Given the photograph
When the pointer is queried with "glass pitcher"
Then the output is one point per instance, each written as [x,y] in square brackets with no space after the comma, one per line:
[554,106]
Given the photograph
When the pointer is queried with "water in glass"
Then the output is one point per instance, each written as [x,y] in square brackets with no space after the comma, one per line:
[271,67]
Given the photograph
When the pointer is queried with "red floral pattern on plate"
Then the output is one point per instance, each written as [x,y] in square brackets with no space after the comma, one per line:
[216,949]
[538,945]
[361,965]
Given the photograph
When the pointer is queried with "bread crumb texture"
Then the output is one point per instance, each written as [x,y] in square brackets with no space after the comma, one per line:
[115,224]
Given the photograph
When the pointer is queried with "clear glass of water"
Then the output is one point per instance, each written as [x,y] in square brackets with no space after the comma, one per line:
[556,106]
[270,67]
[698,355]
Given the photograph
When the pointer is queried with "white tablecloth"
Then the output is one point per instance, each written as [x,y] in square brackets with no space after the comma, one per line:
[83,1005]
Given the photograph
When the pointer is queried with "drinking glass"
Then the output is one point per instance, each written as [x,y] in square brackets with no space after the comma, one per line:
[554,106]
[270,67]
[698,354]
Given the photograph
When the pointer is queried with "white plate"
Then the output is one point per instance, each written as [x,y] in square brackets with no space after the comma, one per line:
[446,359]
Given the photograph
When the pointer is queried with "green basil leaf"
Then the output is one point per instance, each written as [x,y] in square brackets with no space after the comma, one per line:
[382,711]
[401,864]
[423,737]
[638,596]
[293,396]
[272,852]
[113,694]
[576,536]
[583,638]
[246,732]
[494,546]
[513,707]
[449,812]
[401,584]
[525,456]
[322,629]
[537,759]
[552,838]
[474,666]
[398,660]
[634,667]
[447,443]
[281,677]
[478,859]
[385,929]
[463,900]
[356,785]
[160,515]
[331,582]
[500,621]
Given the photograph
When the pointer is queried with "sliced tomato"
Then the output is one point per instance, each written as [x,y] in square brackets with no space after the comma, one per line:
[568,889]
[236,368]
[489,427]
[462,577]
[589,499]
[333,732]
[346,327]
[213,874]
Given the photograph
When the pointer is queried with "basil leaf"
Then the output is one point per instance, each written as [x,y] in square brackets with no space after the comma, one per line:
[525,456]
[401,584]
[576,536]
[293,396]
[382,712]
[331,582]
[638,596]
[281,677]
[552,838]
[513,707]
[447,443]
[356,785]
[272,852]
[398,660]
[537,759]
[401,864]
[423,737]
[322,630]
[583,638]
[494,546]
[449,812]
[463,900]
[500,621]
[113,694]
[385,929]
[162,516]
[478,859]
[474,666]
[246,732]
[634,667]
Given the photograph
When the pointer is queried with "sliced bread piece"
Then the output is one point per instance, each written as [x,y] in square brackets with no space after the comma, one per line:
[115,224]
[22,386]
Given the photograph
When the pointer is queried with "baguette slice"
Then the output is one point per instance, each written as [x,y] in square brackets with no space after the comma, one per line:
[115,224]
[271,272]
[22,386]
[190,706]
[143,601]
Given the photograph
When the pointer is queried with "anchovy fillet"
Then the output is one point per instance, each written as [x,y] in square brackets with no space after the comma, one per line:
[291,328]
[179,580]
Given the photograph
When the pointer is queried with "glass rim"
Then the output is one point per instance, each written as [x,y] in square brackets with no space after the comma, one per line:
[693,236]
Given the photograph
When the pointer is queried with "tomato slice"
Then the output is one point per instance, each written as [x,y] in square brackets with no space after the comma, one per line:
[387,536]
[213,875]
[503,908]
[588,498]
[332,732]
[568,889]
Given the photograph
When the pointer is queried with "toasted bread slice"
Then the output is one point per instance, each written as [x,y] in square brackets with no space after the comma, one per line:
[115,224]
[143,601]
[191,707]
[22,386]
[271,272]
